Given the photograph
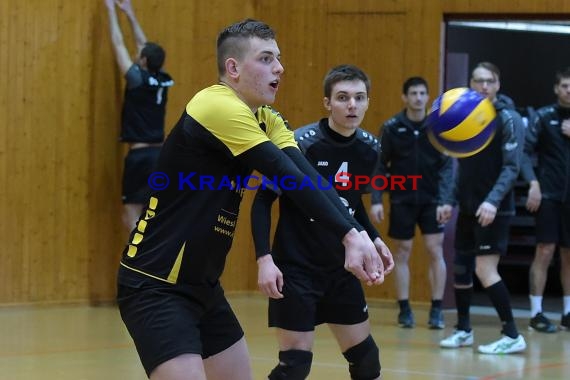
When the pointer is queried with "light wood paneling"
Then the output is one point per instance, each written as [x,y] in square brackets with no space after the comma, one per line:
[61,164]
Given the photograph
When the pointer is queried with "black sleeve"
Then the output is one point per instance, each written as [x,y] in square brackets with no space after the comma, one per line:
[271,162]
[261,221]
[385,157]
[512,147]
[445,183]
[361,217]
[531,139]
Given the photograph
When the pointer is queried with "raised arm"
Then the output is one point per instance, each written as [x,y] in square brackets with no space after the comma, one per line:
[121,53]
[140,37]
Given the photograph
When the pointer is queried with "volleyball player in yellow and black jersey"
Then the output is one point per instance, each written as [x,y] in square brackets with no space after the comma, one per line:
[169,294]
[206,185]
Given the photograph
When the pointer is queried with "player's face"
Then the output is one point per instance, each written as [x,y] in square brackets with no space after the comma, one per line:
[417,97]
[347,105]
[485,82]
[259,73]
[562,90]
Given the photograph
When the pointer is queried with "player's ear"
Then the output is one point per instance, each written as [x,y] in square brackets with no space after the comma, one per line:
[404,98]
[232,68]
[327,103]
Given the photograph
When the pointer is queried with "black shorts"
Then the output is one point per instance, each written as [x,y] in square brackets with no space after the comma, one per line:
[311,299]
[139,164]
[472,238]
[553,223]
[166,321]
[405,216]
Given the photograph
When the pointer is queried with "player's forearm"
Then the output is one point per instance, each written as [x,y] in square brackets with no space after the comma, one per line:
[140,37]
[361,217]
[114,29]
[261,221]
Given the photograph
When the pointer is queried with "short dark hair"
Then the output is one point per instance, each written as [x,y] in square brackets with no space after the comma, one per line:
[344,73]
[231,40]
[414,81]
[561,74]
[155,56]
[489,66]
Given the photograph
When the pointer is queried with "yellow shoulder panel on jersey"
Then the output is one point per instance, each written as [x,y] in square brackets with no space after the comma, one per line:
[219,110]
[277,128]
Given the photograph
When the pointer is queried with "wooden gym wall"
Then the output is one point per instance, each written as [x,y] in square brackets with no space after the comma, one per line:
[60,162]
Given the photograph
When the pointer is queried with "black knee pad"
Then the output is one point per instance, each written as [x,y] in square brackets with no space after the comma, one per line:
[293,365]
[463,269]
[363,360]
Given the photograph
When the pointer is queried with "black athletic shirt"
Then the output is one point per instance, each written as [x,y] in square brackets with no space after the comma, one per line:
[299,240]
[544,135]
[406,150]
[489,175]
[187,228]
[144,106]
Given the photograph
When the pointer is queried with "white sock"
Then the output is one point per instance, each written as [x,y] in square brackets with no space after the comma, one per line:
[535,305]
[566,300]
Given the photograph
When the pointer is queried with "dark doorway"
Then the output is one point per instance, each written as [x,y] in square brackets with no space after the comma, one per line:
[528,53]
[528,57]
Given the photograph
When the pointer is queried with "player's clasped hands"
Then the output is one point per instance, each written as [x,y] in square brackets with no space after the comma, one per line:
[362,258]
[385,255]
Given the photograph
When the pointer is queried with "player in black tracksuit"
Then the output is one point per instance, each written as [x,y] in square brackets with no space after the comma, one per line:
[486,206]
[407,151]
[303,273]
[549,196]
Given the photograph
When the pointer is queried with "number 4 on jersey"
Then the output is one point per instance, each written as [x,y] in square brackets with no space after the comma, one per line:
[342,176]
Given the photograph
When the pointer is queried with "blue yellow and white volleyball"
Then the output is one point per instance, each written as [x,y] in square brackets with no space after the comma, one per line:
[461,122]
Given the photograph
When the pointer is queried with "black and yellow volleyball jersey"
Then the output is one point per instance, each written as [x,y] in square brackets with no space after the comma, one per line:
[298,239]
[187,228]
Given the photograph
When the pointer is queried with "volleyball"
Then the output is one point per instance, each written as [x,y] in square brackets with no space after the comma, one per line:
[461,122]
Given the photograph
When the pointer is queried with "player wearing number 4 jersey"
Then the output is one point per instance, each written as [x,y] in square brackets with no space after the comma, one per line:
[304,275]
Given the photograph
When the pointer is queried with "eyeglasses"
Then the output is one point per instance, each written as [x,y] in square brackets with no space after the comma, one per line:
[483,81]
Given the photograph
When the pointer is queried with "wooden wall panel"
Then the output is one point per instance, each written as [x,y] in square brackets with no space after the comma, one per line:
[44,217]
[60,162]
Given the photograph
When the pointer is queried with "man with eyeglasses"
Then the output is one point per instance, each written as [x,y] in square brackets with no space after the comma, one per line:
[486,205]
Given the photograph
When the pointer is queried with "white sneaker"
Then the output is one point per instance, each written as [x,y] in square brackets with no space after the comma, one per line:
[459,338]
[505,345]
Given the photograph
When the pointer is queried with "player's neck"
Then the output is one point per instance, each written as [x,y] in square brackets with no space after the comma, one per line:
[340,130]
[415,115]
[234,88]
